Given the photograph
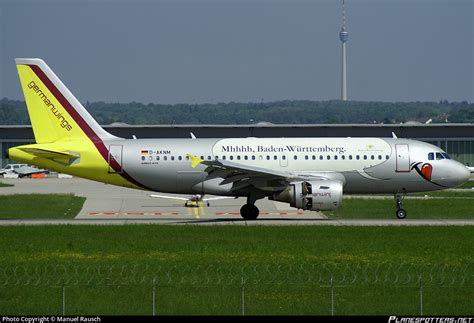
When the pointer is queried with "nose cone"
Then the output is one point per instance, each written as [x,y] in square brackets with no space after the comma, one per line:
[456,175]
[464,174]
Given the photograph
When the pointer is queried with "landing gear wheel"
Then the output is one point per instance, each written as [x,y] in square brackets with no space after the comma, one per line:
[249,212]
[401,213]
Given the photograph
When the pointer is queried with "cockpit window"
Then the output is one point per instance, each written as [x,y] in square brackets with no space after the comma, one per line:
[439,155]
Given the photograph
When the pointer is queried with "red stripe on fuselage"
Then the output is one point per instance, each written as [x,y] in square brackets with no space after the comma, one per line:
[96,140]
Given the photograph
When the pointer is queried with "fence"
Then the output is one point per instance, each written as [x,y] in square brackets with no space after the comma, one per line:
[317,288]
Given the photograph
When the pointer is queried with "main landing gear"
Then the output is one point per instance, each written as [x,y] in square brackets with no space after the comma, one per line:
[401,213]
[249,211]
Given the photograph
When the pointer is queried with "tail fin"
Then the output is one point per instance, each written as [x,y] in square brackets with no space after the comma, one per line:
[55,113]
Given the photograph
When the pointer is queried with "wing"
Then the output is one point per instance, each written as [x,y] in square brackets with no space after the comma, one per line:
[218,198]
[245,176]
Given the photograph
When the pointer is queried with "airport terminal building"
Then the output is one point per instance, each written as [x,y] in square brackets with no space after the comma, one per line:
[456,139]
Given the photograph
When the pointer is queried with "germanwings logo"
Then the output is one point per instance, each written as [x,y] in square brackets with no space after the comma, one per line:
[50,106]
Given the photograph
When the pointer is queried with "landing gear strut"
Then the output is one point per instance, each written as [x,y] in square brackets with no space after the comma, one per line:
[400,213]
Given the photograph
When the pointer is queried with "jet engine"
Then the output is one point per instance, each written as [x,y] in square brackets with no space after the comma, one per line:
[319,195]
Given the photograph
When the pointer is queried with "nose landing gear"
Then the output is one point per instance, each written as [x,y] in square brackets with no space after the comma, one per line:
[401,213]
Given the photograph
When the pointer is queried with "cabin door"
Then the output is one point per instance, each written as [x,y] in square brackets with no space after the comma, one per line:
[403,157]
[115,158]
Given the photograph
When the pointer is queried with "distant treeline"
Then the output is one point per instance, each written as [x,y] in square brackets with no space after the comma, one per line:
[280,112]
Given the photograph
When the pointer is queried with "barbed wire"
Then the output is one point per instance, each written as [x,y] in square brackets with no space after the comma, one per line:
[322,274]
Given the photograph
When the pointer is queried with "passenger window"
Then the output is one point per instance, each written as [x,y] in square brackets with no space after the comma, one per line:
[320,157]
[357,157]
[275,157]
[165,158]
[343,157]
[246,157]
[431,156]
[238,157]
[439,156]
[180,158]
[372,157]
[328,157]
[387,157]
[268,157]
[295,157]
[306,157]
[365,157]
[314,157]
[253,157]
[202,157]
[157,157]
[208,157]
[335,157]
[350,157]
[223,157]
[283,157]
[380,157]
[231,157]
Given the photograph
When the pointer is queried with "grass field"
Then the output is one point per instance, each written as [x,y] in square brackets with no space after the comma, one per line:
[5,185]
[437,205]
[468,184]
[200,270]
[40,206]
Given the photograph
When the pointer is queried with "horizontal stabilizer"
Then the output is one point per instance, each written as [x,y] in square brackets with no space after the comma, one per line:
[60,156]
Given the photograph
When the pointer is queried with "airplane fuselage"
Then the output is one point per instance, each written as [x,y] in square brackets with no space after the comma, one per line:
[364,165]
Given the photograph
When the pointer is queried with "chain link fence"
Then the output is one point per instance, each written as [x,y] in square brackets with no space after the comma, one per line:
[319,274]
[309,288]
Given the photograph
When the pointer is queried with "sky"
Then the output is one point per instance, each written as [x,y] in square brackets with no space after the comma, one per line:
[210,51]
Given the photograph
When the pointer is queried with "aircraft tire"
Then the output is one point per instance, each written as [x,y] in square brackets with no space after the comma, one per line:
[401,214]
[249,212]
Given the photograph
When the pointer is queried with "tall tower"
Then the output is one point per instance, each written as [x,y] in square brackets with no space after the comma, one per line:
[343,36]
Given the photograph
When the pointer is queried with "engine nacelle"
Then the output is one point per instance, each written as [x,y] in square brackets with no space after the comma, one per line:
[320,195]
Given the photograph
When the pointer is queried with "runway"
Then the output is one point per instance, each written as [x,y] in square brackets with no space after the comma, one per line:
[108,202]
[112,205]
[227,221]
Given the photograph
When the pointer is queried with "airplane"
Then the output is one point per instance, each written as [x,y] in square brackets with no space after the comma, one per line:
[192,200]
[22,170]
[308,173]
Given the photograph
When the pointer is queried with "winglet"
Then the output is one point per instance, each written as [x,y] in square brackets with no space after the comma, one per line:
[194,160]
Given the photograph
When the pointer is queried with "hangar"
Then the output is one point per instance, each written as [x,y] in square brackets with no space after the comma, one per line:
[456,139]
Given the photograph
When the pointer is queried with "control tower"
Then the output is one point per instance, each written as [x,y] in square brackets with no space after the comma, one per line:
[343,36]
